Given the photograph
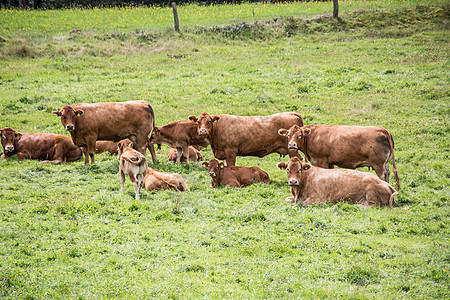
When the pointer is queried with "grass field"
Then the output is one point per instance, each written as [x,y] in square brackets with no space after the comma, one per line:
[67,232]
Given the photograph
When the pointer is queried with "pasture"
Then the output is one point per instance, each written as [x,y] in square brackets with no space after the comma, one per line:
[68,232]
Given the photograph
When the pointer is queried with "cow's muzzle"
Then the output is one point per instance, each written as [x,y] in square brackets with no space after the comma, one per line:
[9,148]
[203,131]
[292,146]
[293,182]
[70,128]
[212,174]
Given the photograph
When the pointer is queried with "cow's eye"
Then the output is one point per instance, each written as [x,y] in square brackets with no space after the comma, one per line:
[3,137]
[288,171]
[209,122]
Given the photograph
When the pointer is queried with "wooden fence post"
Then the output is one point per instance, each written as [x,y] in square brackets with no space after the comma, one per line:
[335,8]
[175,17]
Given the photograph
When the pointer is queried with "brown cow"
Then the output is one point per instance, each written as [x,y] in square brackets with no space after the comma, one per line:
[48,147]
[112,121]
[108,146]
[345,146]
[156,180]
[133,164]
[234,176]
[194,155]
[179,135]
[317,185]
[231,136]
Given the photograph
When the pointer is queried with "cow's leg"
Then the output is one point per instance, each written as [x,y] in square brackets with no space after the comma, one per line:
[185,151]
[136,186]
[381,172]
[86,155]
[91,149]
[122,180]
[179,154]
[230,157]
[290,200]
[151,148]
[234,183]
[387,171]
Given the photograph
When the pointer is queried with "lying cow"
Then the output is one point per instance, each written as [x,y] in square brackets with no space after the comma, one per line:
[108,146]
[317,185]
[179,135]
[345,146]
[234,176]
[231,136]
[156,180]
[133,164]
[113,121]
[194,155]
[48,147]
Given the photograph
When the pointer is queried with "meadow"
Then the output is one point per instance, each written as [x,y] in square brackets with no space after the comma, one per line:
[68,232]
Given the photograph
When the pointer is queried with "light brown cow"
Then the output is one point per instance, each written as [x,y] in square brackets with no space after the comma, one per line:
[194,155]
[112,121]
[134,164]
[156,180]
[345,146]
[234,176]
[317,185]
[48,147]
[231,136]
[179,135]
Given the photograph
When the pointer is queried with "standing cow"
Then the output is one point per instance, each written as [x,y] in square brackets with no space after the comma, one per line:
[345,146]
[231,136]
[311,185]
[179,135]
[48,147]
[112,121]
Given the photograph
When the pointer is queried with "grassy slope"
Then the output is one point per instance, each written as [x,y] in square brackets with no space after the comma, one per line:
[68,231]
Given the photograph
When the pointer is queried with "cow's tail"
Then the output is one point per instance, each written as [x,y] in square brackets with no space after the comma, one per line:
[391,198]
[394,165]
[133,158]
[150,145]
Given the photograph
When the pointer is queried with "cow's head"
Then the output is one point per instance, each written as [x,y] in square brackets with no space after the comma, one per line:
[295,136]
[157,137]
[9,136]
[214,167]
[205,123]
[122,145]
[68,114]
[295,170]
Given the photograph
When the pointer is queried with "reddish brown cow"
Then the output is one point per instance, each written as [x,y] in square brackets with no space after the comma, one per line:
[231,136]
[48,147]
[317,185]
[113,121]
[156,180]
[108,146]
[133,164]
[179,135]
[194,155]
[345,146]
[234,176]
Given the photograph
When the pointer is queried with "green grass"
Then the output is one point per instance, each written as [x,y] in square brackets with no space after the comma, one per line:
[68,232]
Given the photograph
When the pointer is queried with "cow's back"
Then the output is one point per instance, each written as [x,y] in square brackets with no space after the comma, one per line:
[39,146]
[252,135]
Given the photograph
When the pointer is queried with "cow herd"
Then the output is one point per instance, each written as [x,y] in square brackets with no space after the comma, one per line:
[127,129]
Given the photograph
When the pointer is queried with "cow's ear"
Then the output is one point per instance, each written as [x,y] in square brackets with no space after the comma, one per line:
[58,113]
[18,135]
[221,165]
[306,131]
[306,167]
[78,112]
[283,132]
[282,166]
[205,164]
[193,118]
[156,130]
[215,118]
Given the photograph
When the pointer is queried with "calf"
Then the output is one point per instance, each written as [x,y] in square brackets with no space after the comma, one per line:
[316,185]
[194,155]
[179,135]
[345,146]
[108,146]
[234,176]
[47,147]
[156,180]
[112,121]
[231,136]
[133,164]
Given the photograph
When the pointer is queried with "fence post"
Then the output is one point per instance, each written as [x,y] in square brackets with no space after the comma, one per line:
[175,17]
